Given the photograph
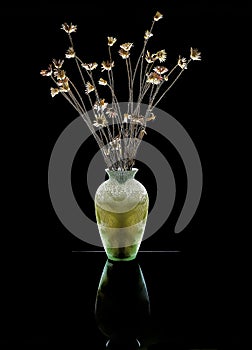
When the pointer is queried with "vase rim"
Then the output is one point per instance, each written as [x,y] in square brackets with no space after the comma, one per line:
[121,171]
[122,176]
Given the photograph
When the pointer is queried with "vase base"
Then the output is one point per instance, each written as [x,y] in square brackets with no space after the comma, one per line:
[121,259]
[123,253]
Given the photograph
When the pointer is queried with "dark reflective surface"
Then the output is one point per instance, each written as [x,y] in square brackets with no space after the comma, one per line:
[122,307]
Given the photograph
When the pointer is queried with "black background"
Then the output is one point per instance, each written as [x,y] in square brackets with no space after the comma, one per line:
[48,292]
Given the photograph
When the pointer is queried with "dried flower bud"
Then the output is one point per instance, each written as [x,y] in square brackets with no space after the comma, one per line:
[89,87]
[111,40]
[158,16]
[60,74]
[160,69]
[47,72]
[161,55]
[57,63]
[100,121]
[195,54]
[100,105]
[54,91]
[126,46]
[138,119]
[147,35]
[69,28]
[151,117]
[106,65]
[150,58]
[182,62]
[141,134]
[89,66]
[102,81]
[70,53]
[65,86]
[154,78]
[111,112]
[124,54]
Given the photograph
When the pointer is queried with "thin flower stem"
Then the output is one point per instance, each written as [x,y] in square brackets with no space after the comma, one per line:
[129,83]
[119,138]
[141,56]
[164,93]
[112,76]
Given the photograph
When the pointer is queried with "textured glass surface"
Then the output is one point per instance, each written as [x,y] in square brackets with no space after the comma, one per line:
[121,206]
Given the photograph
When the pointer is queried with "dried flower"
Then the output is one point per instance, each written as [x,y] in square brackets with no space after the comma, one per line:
[106,65]
[115,144]
[100,121]
[102,81]
[158,16]
[139,119]
[47,72]
[54,91]
[142,132]
[111,40]
[124,54]
[64,86]
[60,82]
[160,69]
[89,87]
[126,117]
[120,131]
[69,28]
[147,35]
[70,53]
[89,66]
[59,74]
[161,55]
[100,105]
[154,78]
[195,54]
[150,58]
[57,64]
[111,112]
[126,46]
[151,117]
[182,62]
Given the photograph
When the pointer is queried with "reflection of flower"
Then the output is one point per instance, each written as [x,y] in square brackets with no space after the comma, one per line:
[125,129]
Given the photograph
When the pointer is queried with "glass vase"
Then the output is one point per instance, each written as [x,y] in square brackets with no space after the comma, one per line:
[121,208]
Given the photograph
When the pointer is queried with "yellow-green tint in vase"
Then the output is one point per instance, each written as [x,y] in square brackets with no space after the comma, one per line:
[121,207]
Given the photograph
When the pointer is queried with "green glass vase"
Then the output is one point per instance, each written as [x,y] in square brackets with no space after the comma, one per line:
[121,208]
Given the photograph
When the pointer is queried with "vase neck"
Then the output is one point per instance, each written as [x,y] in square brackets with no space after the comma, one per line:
[121,176]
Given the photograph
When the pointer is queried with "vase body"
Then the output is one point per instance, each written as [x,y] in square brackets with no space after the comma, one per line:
[121,208]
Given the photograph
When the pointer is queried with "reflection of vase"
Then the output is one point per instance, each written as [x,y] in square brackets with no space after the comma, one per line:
[122,307]
[121,206]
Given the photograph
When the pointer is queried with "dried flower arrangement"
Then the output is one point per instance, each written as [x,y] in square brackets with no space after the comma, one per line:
[118,133]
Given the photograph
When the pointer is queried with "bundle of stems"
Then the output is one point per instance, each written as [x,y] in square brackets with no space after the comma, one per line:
[118,133]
